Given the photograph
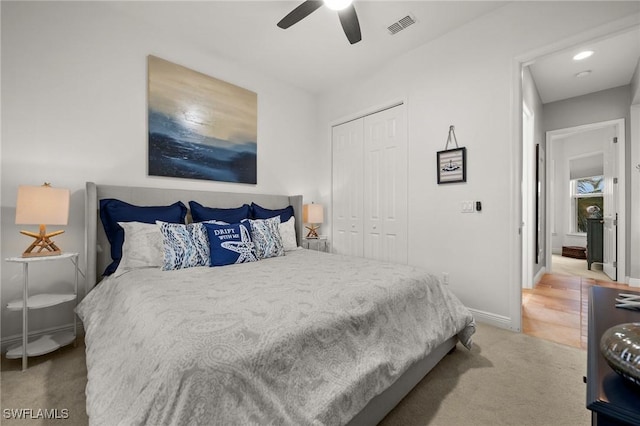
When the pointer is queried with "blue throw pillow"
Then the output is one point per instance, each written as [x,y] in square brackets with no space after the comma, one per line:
[199,213]
[229,244]
[259,212]
[113,211]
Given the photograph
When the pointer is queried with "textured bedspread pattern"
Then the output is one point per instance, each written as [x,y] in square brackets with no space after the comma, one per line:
[304,339]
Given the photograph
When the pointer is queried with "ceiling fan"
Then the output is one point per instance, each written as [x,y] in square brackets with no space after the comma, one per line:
[346,12]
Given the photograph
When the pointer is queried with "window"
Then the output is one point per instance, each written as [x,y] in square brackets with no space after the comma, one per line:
[586,201]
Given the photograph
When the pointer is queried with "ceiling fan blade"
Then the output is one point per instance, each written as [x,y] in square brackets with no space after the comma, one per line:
[299,13]
[350,24]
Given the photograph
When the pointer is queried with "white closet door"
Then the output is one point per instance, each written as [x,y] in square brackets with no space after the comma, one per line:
[347,175]
[385,186]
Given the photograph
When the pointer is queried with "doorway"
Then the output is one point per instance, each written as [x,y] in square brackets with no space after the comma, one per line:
[583,166]
[582,163]
[526,158]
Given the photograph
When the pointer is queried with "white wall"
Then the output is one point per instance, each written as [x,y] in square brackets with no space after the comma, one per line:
[634,252]
[74,81]
[635,85]
[466,78]
[605,105]
[634,233]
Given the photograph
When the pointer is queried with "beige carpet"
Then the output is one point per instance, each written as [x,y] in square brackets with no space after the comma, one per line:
[506,379]
[577,267]
[52,381]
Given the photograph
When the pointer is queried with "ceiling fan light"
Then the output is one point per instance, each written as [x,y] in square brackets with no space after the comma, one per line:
[337,4]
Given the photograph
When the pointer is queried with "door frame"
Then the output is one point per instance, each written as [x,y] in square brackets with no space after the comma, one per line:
[552,138]
[515,171]
[527,226]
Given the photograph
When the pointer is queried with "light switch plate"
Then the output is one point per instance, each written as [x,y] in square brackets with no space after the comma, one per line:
[467,207]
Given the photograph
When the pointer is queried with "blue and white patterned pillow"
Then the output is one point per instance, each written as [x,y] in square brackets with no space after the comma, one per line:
[229,244]
[184,246]
[265,234]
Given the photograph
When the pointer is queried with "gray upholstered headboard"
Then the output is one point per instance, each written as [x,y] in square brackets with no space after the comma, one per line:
[97,249]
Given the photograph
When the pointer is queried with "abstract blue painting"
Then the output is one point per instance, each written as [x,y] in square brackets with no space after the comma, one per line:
[200,127]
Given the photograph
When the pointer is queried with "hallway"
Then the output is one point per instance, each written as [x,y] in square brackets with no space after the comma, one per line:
[557,308]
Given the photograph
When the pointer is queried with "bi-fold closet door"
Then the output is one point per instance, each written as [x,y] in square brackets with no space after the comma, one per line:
[369,184]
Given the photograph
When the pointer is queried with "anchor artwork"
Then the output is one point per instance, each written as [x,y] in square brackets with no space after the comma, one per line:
[452,162]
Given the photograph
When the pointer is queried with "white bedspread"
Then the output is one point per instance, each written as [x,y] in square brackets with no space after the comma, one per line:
[308,338]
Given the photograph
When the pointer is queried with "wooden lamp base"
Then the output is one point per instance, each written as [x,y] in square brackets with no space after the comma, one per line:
[42,245]
[313,231]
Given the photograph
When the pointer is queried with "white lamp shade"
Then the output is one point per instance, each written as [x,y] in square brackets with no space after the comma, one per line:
[42,205]
[312,213]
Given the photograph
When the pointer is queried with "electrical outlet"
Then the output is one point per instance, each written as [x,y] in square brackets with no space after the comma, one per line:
[445,278]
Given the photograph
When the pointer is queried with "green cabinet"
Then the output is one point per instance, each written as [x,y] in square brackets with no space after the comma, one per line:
[594,241]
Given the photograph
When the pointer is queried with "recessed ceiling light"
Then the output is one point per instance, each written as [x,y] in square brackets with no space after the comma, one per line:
[583,73]
[583,55]
[337,4]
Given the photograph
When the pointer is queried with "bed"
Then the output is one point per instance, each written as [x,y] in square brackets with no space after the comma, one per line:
[304,338]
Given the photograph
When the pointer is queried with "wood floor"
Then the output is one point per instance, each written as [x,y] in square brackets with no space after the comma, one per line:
[557,308]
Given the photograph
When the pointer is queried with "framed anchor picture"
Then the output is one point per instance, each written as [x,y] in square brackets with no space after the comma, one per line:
[452,163]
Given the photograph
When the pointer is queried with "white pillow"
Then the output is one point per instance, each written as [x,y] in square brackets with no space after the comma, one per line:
[288,234]
[142,246]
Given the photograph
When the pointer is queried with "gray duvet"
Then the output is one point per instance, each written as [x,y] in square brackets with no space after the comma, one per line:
[308,338]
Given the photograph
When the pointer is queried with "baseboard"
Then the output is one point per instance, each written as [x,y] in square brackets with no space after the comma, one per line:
[16,339]
[492,319]
[633,282]
[538,276]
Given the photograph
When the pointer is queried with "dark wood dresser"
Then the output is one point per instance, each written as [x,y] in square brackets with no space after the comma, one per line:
[594,241]
[612,399]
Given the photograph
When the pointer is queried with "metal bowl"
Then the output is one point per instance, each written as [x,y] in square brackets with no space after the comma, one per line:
[620,346]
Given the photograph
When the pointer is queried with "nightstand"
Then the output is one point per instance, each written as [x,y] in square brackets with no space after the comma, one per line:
[48,342]
[320,244]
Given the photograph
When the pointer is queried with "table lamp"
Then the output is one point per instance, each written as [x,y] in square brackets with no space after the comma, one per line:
[313,215]
[42,205]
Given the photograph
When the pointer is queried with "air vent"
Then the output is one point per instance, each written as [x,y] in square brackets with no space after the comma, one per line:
[401,24]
